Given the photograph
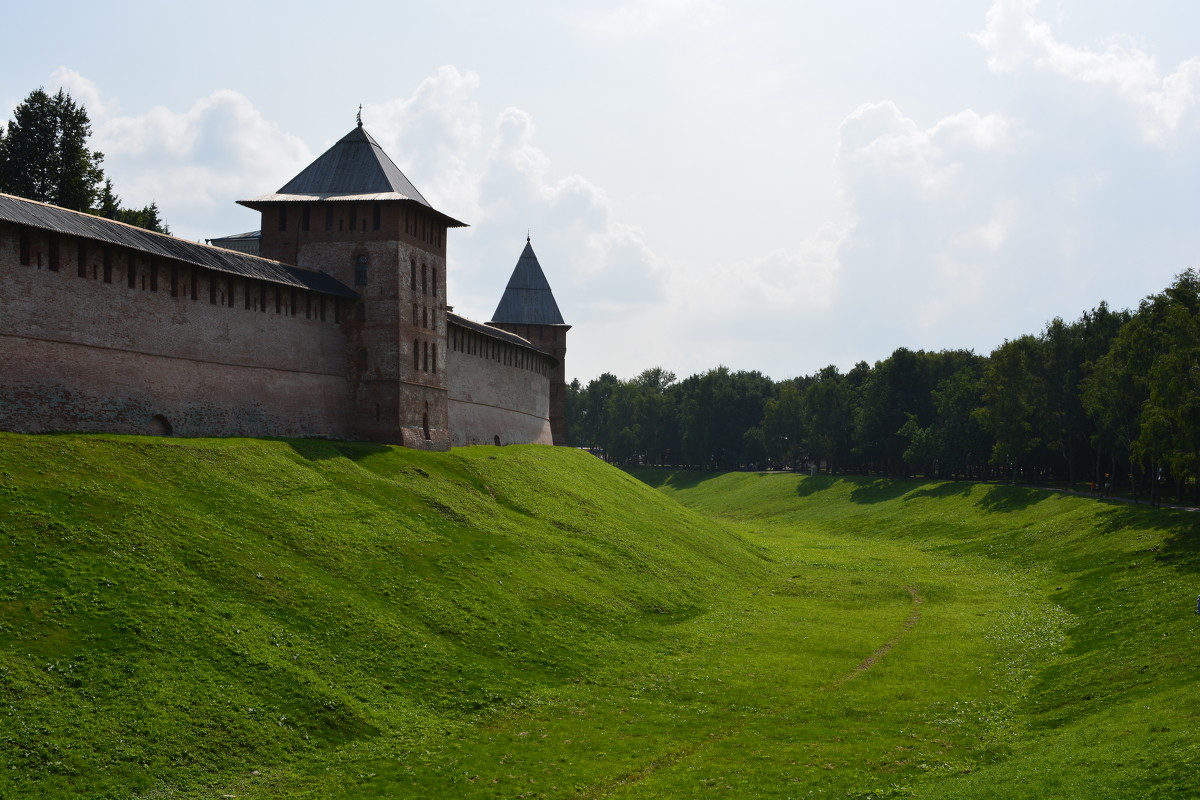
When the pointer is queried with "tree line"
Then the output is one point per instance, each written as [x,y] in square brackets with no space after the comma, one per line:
[1111,399]
[45,156]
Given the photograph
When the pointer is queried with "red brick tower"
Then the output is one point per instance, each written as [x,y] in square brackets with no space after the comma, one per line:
[354,215]
[528,309]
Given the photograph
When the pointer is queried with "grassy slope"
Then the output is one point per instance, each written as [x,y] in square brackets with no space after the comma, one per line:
[1095,630]
[177,614]
[357,621]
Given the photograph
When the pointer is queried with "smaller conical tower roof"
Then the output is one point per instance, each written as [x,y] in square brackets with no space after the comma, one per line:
[527,299]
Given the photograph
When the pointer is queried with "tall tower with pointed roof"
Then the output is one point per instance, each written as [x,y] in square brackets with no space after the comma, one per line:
[528,309]
[353,214]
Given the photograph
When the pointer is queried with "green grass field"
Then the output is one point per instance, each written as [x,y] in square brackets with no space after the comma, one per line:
[266,619]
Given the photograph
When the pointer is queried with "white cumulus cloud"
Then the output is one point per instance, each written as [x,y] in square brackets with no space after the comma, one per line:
[80,88]
[1015,38]
[196,162]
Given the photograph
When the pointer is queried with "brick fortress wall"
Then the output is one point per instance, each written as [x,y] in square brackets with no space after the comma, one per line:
[174,349]
[499,392]
[553,340]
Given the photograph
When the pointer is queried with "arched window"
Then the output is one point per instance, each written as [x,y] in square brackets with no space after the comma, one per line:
[362,361]
[416,354]
[360,271]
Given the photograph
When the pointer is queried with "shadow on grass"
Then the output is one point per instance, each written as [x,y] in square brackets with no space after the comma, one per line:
[816,483]
[1181,544]
[951,489]
[1004,499]
[323,449]
[660,477]
[865,490]
[879,490]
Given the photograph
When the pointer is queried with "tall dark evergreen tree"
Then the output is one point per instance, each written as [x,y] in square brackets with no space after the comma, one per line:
[45,156]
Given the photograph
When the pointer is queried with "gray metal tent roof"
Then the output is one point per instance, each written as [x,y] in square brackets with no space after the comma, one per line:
[527,299]
[356,168]
[74,223]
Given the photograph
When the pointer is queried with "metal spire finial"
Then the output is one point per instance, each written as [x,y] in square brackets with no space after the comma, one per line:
[359,117]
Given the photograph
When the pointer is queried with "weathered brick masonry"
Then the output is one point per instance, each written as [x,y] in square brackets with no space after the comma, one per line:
[83,349]
[108,328]
[499,387]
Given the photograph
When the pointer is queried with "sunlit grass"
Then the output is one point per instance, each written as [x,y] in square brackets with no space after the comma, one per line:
[1076,614]
[309,619]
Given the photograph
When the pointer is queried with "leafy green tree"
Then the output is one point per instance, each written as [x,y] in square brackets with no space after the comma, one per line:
[715,411]
[754,447]
[656,414]
[1114,394]
[783,430]
[924,444]
[899,386]
[146,217]
[624,436]
[573,400]
[963,446]
[594,426]
[828,414]
[1064,423]
[1097,330]
[44,155]
[1144,391]
[1010,403]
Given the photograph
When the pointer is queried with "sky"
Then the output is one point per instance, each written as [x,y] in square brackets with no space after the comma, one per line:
[770,186]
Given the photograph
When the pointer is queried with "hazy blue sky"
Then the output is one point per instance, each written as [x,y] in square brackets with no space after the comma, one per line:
[766,185]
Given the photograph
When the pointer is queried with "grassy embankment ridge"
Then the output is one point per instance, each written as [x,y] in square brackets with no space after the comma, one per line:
[1084,611]
[193,618]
